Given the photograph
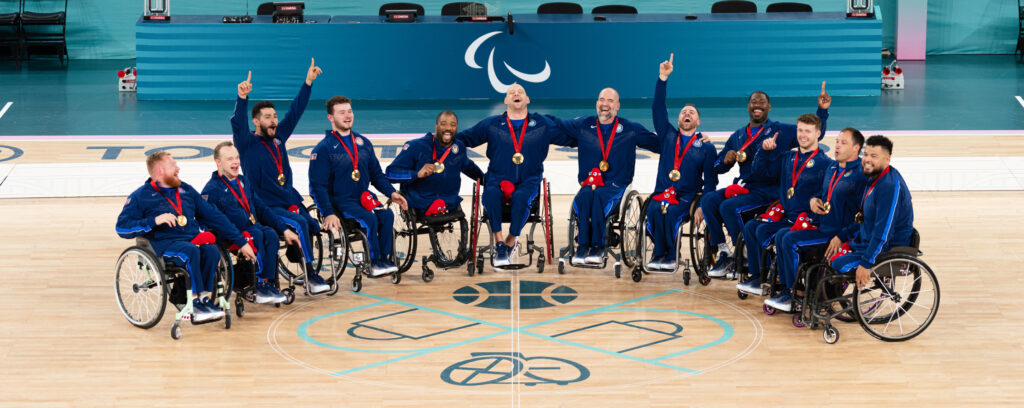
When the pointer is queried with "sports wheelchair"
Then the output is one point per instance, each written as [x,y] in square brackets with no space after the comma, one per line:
[342,252]
[540,213]
[620,231]
[291,262]
[698,245]
[900,302]
[448,234]
[144,283]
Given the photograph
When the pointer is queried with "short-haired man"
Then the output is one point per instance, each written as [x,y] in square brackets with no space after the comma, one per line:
[167,212]
[430,168]
[227,191]
[341,168]
[886,213]
[834,206]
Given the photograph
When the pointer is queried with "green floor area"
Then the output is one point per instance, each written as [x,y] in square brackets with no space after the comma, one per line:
[81,98]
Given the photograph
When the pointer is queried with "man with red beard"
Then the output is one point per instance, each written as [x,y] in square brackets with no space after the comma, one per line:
[165,211]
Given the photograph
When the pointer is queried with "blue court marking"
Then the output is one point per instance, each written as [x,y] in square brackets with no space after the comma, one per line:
[303,328]
[629,323]
[398,336]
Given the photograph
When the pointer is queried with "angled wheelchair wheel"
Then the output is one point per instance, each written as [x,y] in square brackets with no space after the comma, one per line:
[337,252]
[828,296]
[571,233]
[629,225]
[403,250]
[901,301]
[225,274]
[449,241]
[700,245]
[475,266]
[549,223]
[140,287]
[645,243]
[317,240]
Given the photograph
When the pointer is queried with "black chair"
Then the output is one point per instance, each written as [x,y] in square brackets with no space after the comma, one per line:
[614,9]
[265,9]
[10,29]
[734,6]
[43,34]
[788,7]
[464,8]
[559,8]
[384,9]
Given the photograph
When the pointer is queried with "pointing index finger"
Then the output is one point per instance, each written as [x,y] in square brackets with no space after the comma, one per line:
[670,57]
[249,78]
[312,62]
[822,86]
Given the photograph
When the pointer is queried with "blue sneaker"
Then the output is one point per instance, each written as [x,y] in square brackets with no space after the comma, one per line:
[200,313]
[501,254]
[580,256]
[721,267]
[386,263]
[751,286]
[316,284]
[265,293]
[783,301]
[213,308]
[595,255]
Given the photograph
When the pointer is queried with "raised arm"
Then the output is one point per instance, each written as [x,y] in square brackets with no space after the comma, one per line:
[659,112]
[240,118]
[291,119]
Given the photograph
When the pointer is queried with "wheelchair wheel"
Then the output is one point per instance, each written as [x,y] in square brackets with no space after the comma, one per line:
[316,240]
[139,286]
[337,252]
[700,246]
[630,228]
[571,233]
[645,243]
[474,232]
[225,275]
[403,249]
[901,301]
[449,241]
[818,295]
[549,221]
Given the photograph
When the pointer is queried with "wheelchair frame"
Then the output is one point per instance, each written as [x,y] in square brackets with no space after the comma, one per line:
[617,229]
[433,226]
[694,234]
[341,251]
[541,215]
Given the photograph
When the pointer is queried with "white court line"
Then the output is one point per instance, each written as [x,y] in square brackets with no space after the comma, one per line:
[8,106]
[1019,99]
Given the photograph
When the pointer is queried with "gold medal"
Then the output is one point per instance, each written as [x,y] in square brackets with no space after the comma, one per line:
[355,175]
[603,165]
[252,219]
[280,179]
[438,167]
[790,192]
[859,218]
[182,220]
[828,207]
[518,158]
[674,175]
[741,156]
[664,208]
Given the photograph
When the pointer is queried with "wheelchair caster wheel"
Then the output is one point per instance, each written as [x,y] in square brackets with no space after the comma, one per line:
[540,263]
[637,276]
[479,266]
[176,331]
[831,334]
[357,285]
[428,275]
[798,321]
[618,271]
[289,295]
[704,280]
[561,268]
[239,308]
[686,278]
[740,294]
[768,310]
[396,278]
[471,268]
[227,320]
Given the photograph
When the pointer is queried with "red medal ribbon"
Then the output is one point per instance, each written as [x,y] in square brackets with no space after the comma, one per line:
[177,192]
[244,201]
[433,155]
[679,139]
[600,141]
[833,182]
[867,193]
[354,157]
[277,156]
[796,174]
[517,145]
[750,138]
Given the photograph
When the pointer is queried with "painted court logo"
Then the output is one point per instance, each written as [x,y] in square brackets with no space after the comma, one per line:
[496,83]
[498,295]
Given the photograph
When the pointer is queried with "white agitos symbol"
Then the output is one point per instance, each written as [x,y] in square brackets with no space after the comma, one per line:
[495,83]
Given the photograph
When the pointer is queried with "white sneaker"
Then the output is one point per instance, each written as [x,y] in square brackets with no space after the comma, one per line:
[595,256]
[379,270]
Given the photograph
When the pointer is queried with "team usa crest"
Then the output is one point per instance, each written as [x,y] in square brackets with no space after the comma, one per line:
[359,141]
[455,148]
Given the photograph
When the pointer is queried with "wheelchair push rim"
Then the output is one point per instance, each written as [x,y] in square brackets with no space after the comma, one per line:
[140,287]
[901,301]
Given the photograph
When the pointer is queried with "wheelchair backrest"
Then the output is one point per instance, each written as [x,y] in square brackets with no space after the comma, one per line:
[915,239]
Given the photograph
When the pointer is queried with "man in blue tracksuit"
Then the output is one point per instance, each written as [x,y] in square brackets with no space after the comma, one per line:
[227,191]
[607,160]
[834,206]
[741,147]
[800,175]
[430,168]
[686,166]
[517,144]
[265,162]
[886,213]
[165,211]
[341,168]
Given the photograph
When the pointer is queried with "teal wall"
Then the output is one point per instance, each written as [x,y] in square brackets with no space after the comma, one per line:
[100,29]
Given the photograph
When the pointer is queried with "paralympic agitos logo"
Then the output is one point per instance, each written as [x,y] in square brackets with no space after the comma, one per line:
[496,83]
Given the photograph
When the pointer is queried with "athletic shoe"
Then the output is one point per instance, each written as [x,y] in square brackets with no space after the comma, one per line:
[595,255]
[751,286]
[200,313]
[668,264]
[267,293]
[782,302]
[388,265]
[580,256]
[721,267]
[501,252]
[378,269]
[317,285]
[213,308]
